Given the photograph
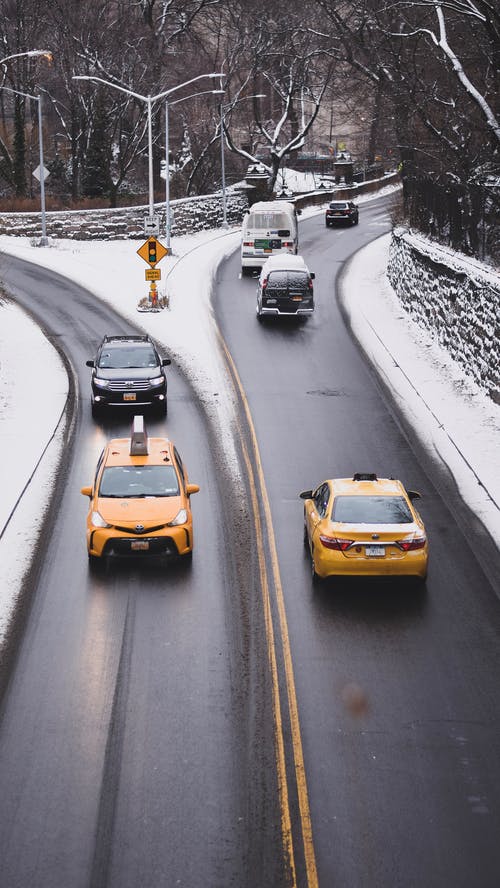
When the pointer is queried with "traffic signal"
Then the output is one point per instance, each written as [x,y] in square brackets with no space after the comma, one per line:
[152,251]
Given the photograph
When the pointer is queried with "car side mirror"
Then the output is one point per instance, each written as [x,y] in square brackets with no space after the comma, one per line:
[298,211]
[312,275]
[166,362]
[87,491]
[192,488]
[413,494]
[89,363]
[306,494]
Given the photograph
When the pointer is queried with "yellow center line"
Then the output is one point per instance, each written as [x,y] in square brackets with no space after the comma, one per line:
[298,755]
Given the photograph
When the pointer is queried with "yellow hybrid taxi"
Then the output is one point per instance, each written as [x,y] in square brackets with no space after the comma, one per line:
[364,526]
[140,500]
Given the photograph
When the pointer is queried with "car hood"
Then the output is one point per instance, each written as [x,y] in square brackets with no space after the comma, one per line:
[129,373]
[147,511]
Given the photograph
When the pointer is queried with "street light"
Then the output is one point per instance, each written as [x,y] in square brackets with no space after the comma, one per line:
[31,53]
[149,101]
[43,240]
[168,104]
[223,109]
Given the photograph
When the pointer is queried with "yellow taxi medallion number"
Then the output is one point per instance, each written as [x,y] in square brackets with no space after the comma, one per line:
[152,251]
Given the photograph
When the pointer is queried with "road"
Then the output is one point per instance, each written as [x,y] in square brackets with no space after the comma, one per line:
[397,692]
[142,730]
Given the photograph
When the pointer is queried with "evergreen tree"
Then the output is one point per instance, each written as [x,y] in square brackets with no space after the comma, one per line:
[96,176]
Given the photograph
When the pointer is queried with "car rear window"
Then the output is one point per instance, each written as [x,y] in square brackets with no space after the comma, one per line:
[286,280]
[371,510]
[126,358]
[339,206]
[138,481]
[271,222]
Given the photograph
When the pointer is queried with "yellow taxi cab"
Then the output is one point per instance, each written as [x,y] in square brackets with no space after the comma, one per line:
[139,501]
[364,526]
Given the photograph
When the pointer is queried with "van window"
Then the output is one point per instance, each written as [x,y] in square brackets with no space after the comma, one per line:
[280,280]
[270,221]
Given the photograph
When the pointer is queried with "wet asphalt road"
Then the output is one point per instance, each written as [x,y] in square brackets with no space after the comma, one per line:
[136,734]
[397,691]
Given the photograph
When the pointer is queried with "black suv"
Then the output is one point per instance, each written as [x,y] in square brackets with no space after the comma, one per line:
[342,211]
[128,371]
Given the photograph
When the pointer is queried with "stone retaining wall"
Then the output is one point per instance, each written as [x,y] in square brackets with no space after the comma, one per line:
[457,299]
[190,214]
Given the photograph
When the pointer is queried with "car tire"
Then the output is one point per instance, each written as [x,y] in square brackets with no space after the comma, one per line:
[96,411]
[96,565]
[306,538]
[315,578]
[245,271]
[161,409]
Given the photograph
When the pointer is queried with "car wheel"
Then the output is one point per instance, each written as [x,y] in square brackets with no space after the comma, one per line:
[96,411]
[306,538]
[96,565]
[245,271]
[316,579]
[161,408]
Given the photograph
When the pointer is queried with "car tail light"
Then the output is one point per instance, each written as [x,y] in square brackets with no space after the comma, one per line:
[287,244]
[411,545]
[335,543]
[264,283]
[248,243]
[310,284]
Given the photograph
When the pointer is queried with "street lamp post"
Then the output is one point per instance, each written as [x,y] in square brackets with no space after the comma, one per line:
[149,101]
[223,109]
[30,53]
[43,240]
[168,226]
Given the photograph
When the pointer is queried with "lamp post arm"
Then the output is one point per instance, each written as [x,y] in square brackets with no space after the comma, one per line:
[129,92]
[168,92]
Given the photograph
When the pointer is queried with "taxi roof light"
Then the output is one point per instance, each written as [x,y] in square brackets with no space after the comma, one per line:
[139,438]
[364,476]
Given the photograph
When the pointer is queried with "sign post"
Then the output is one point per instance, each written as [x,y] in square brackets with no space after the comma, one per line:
[153,251]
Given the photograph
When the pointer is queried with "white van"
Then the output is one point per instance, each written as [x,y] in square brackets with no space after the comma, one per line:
[269,228]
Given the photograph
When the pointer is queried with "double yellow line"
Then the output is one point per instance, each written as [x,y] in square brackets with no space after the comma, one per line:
[254,475]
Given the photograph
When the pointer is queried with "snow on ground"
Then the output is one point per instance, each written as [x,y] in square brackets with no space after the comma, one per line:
[452,416]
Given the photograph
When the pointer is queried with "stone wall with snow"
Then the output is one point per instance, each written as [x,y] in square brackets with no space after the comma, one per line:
[189,214]
[456,298]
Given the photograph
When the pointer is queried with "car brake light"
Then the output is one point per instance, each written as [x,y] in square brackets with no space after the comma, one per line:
[288,243]
[310,284]
[248,243]
[334,543]
[264,283]
[410,545]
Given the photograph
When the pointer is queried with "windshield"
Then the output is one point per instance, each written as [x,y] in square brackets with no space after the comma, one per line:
[124,358]
[138,481]
[371,510]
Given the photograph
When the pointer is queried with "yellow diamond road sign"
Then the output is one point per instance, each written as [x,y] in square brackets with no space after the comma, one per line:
[152,251]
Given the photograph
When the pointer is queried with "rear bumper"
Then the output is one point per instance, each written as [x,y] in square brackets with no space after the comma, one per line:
[285,313]
[329,563]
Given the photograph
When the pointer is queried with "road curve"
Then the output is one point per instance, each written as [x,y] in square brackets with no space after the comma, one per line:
[136,730]
[397,691]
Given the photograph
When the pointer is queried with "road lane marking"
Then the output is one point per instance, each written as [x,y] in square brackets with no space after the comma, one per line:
[298,756]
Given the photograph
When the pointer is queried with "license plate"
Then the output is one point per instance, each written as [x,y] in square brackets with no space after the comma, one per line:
[377,551]
[139,545]
[129,396]
[296,298]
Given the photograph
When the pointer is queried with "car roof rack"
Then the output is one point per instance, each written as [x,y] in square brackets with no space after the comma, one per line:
[131,336]
[364,476]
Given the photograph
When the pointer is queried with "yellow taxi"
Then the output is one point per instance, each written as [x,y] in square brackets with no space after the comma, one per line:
[364,526]
[139,501]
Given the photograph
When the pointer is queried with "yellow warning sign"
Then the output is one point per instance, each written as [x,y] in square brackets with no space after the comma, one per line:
[152,274]
[152,251]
